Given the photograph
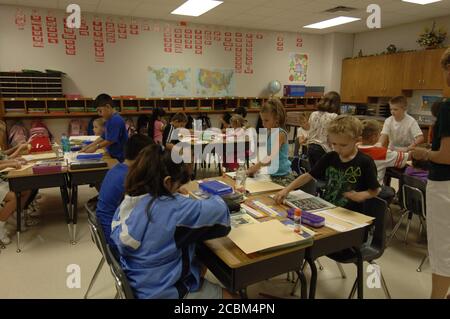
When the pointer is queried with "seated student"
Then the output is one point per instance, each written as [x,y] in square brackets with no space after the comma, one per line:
[115,135]
[382,156]
[401,129]
[156,125]
[113,185]
[225,121]
[351,175]
[156,229]
[237,123]
[7,198]
[99,126]
[242,111]
[419,169]
[273,117]
[169,138]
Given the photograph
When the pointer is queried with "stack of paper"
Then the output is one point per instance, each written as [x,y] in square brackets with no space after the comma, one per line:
[342,220]
[265,236]
[258,184]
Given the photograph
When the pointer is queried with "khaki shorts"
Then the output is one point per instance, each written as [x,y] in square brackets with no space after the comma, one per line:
[438,226]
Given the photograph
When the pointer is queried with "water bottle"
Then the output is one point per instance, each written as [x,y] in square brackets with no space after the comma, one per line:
[241,176]
[298,220]
[65,143]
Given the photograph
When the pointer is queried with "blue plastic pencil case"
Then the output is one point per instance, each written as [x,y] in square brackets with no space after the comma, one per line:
[216,188]
[94,156]
[308,218]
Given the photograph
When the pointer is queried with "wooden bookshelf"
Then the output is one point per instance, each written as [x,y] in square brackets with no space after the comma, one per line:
[83,107]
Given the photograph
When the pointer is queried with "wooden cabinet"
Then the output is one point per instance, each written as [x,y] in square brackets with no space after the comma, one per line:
[422,70]
[348,80]
[388,75]
[393,75]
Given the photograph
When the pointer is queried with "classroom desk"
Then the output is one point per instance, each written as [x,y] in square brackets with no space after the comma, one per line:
[236,270]
[215,144]
[20,181]
[327,241]
[84,177]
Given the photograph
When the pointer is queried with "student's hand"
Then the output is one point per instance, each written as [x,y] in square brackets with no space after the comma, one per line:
[15,165]
[358,197]
[281,196]
[23,146]
[21,160]
[411,147]
[252,170]
[420,154]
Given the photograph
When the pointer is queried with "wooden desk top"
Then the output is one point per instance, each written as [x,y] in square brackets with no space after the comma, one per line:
[29,171]
[233,256]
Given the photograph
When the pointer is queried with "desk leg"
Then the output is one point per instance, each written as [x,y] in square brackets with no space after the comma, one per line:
[360,274]
[303,284]
[19,220]
[66,204]
[312,288]
[243,293]
[74,213]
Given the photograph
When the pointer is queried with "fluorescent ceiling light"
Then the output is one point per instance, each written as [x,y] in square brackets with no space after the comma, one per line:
[196,8]
[331,22]
[421,1]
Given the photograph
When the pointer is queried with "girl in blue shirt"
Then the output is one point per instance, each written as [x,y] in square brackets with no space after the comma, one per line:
[273,116]
[156,229]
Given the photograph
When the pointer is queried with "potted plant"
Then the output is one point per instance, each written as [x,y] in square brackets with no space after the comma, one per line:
[432,38]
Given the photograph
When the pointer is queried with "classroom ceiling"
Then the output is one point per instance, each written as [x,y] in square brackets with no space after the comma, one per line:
[276,15]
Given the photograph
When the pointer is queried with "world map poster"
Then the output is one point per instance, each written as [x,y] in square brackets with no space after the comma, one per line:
[170,81]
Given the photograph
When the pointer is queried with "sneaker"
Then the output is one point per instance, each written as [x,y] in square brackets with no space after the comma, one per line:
[4,238]
[33,210]
[13,221]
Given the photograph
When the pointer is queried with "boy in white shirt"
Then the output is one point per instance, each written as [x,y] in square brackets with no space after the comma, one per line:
[382,156]
[401,129]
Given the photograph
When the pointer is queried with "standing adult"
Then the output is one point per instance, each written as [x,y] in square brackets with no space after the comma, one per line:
[438,195]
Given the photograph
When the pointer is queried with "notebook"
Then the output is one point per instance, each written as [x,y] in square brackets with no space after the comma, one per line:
[254,237]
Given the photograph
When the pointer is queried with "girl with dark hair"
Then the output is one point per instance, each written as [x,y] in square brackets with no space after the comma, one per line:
[156,125]
[156,229]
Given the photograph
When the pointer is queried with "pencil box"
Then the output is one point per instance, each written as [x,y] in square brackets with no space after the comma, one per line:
[46,169]
[87,164]
[216,188]
[309,219]
[86,157]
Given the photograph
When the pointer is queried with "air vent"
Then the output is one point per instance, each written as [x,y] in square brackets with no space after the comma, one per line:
[340,9]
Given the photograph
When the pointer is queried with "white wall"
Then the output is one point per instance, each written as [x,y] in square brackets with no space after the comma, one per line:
[404,37]
[125,70]
[337,47]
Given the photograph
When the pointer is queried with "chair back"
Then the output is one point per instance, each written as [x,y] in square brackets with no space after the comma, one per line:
[120,278]
[377,208]
[304,163]
[96,230]
[414,191]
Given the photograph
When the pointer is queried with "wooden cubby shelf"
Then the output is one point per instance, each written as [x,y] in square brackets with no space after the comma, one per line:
[83,107]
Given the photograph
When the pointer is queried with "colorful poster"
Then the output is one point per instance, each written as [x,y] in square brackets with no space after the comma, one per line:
[170,81]
[215,82]
[52,29]
[298,67]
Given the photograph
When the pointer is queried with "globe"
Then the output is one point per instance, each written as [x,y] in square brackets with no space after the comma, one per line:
[274,86]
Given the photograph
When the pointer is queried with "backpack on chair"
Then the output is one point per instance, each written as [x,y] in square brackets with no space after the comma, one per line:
[18,134]
[76,128]
[38,128]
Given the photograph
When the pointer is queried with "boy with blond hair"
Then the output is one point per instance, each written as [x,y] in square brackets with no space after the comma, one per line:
[350,175]
[401,129]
